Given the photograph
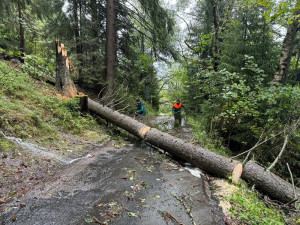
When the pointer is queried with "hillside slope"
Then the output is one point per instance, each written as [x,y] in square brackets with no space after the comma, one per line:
[39,132]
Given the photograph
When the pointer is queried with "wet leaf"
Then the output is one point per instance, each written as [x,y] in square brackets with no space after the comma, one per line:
[112,204]
[149,169]
[132,178]
[132,171]
[23,204]
[156,197]
[144,184]
[14,218]
[132,214]
[89,220]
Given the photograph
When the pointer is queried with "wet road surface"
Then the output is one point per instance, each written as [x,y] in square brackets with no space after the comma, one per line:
[129,186]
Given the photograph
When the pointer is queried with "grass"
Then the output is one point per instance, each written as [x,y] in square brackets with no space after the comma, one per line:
[31,109]
[249,209]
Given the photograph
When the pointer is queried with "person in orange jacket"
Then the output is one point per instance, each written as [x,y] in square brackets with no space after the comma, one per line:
[176,110]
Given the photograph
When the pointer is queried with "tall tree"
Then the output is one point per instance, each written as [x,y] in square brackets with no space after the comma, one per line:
[111,44]
[287,46]
[21,31]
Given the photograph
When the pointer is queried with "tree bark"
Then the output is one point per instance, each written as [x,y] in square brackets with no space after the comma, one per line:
[111,45]
[269,183]
[21,33]
[215,50]
[206,160]
[132,126]
[77,35]
[202,158]
[64,83]
[287,49]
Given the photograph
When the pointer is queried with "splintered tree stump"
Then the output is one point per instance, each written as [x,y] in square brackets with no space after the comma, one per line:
[269,183]
[199,157]
[63,82]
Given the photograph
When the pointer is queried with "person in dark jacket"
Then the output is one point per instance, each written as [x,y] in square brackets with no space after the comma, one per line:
[141,109]
[176,110]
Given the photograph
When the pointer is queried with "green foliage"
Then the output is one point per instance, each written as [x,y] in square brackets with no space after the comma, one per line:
[27,110]
[248,209]
[37,67]
[206,140]
[250,34]
[140,76]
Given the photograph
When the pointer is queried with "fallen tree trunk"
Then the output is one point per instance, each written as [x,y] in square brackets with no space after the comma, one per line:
[199,157]
[210,162]
[132,126]
[269,183]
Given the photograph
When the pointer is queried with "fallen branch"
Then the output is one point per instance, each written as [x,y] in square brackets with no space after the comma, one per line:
[294,189]
[97,221]
[280,153]
[169,215]
[256,145]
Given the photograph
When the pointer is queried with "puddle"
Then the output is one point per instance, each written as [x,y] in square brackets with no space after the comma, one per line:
[194,171]
[40,151]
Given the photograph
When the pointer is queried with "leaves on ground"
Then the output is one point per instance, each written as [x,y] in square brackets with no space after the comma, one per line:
[156,197]
[132,214]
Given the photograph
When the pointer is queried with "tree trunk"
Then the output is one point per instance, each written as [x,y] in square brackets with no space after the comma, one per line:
[132,126]
[287,49]
[215,51]
[111,45]
[269,183]
[21,33]
[77,35]
[202,158]
[64,83]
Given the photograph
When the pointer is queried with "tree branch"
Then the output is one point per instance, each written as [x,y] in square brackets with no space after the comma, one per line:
[280,153]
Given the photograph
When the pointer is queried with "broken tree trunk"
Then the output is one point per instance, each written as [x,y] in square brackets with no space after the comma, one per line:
[199,157]
[64,83]
[210,162]
[132,126]
[269,183]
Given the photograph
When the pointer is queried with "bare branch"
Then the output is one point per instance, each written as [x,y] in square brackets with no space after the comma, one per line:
[292,179]
[280,153]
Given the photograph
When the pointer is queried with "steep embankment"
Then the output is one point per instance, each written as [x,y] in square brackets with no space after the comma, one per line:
[33,116]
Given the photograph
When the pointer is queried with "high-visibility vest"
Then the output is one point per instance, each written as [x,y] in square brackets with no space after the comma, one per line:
[177,106]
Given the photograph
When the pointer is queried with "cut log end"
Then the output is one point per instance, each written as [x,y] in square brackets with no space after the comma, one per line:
[143,131]
[236,173]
